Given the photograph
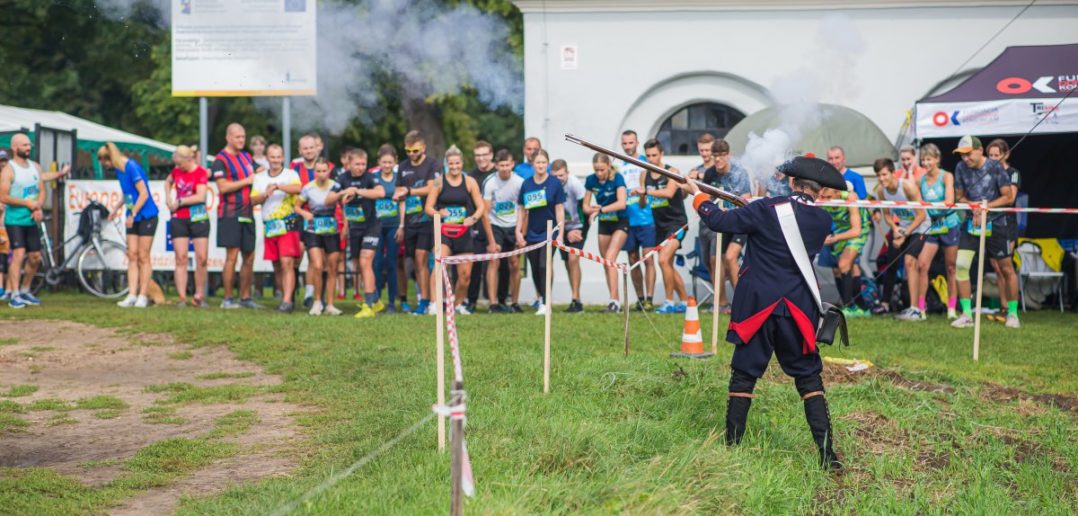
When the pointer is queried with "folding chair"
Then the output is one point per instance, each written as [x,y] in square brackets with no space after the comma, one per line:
[700,275]
[1033,267]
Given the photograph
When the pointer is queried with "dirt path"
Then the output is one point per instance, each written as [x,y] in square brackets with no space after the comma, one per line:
[68,361]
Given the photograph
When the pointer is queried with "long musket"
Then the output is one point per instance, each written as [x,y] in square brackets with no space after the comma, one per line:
[704,187]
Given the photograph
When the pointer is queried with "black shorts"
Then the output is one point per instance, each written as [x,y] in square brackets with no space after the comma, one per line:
[996,245]
[143,228]
[232,233]
[24,237]
[418,238]
[3,264]
[367,240]
[912,245]
[505,237]
[184,228]
[608,227]
[574,245]
[664,232]
[460,245]
[330,243]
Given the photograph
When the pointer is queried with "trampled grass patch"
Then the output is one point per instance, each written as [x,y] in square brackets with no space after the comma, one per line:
[930,431]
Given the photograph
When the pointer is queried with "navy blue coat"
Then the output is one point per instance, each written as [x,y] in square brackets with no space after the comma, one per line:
[769,274]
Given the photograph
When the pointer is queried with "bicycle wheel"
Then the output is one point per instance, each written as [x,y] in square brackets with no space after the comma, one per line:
[104,273]
[38,282]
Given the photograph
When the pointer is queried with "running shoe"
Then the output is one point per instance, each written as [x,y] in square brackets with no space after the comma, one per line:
[471,307]
[516,309]
[379,306]
[682,308]
[575,307]
[499,309]
[910,314]
[126,302]
[285,308]
[536,304]
[331,310]
[364,312]
[229,304]
[308,301]
[421,307]
[391,309]
[639,306]
[405,307]
[880,309]
[951,314]
[316,308]
[432,310]
[201,303]
[181,304]
[613,307]
[357,297]
[1012,322]
[667,308]
[4,295]
[16,302]
[29,299]
[963,321]
[250,304]
[541,310]
[463,310]
[648,305]
[725,309]
[142,302]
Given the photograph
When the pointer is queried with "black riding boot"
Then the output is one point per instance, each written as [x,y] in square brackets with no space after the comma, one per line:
[737,413]
[819,421]
[737,408]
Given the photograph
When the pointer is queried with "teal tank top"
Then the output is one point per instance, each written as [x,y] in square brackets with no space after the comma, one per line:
[23,186]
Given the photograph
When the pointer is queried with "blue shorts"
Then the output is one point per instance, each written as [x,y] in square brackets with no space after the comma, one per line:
[826,259]
[948,239]
[640,237]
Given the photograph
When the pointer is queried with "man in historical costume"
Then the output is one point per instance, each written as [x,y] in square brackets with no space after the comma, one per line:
[775,307]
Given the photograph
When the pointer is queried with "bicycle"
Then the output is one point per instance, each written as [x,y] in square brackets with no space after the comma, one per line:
[99,263]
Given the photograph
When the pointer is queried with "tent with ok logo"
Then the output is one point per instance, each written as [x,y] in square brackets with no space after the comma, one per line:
[1028,95]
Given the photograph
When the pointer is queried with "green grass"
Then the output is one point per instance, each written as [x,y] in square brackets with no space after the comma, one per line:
[61,419]
[11,407]
[233,423]
[9,422]
[617,435]
[50,404]
[8,341]
[100,402]
[17,391]
[162,415]
[181,355]
[221,375]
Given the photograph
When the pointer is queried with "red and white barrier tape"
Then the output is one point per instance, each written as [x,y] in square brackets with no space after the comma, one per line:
[923,205]
[590,256]
[456,411]
[462,258]
[659,247]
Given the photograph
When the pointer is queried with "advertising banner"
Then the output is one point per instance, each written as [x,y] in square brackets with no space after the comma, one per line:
[997,117]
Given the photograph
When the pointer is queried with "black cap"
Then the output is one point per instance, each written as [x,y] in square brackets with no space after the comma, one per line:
[814,169]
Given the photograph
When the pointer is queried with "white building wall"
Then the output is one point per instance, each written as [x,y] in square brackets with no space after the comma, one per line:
[637,65]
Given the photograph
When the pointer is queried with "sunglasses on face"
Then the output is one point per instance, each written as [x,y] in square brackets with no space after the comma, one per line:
[413,150]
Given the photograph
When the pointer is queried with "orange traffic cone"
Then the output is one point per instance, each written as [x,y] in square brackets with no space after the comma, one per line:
[692,343]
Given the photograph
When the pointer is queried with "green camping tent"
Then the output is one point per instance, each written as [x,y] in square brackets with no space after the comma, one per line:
[862,140]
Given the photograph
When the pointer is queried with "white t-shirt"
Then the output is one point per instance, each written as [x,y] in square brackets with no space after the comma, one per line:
[574,194]
[502,196]
[279,204]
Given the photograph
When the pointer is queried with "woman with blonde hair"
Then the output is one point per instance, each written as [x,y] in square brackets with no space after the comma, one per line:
[140,218]
[186,189]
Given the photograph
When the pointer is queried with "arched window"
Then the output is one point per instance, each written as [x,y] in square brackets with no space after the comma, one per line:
[678,133]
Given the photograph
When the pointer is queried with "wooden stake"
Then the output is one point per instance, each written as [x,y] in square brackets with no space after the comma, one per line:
[717,280]
[456,468]
[980,286]
[626,281]
[439,305]
[549,307]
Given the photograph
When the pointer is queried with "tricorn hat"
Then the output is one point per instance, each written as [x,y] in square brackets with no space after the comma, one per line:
[814,169]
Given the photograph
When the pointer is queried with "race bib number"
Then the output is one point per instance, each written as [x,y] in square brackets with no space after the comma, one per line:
[386,208]
[608,217]
[198,213]
[322,225]
[245,220]
[976,230]
[32,191]
[536,199]
[632,200]
[354,214]
[457,214]
[274,227]
[659,202]
[505,208]
[413,205]
[129,202]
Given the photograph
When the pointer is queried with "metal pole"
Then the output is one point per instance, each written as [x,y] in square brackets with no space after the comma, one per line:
[204,129]
[286,128]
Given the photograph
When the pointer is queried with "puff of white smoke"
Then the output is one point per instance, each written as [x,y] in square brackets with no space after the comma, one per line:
[827,74]
[430,49]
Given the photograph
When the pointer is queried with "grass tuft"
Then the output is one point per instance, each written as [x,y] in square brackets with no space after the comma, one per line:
[51,404]
[181,355]
[17,391]
[9,422]
[222,375]
[233,423]
[101,402]
[187,393]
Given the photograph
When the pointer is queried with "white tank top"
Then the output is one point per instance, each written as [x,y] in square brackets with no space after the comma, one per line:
[905,215]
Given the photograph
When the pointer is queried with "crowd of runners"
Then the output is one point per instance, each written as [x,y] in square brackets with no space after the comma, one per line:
[367,222]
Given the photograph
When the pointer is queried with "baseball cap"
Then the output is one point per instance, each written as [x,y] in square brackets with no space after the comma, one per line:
[967,144]
[3,154]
